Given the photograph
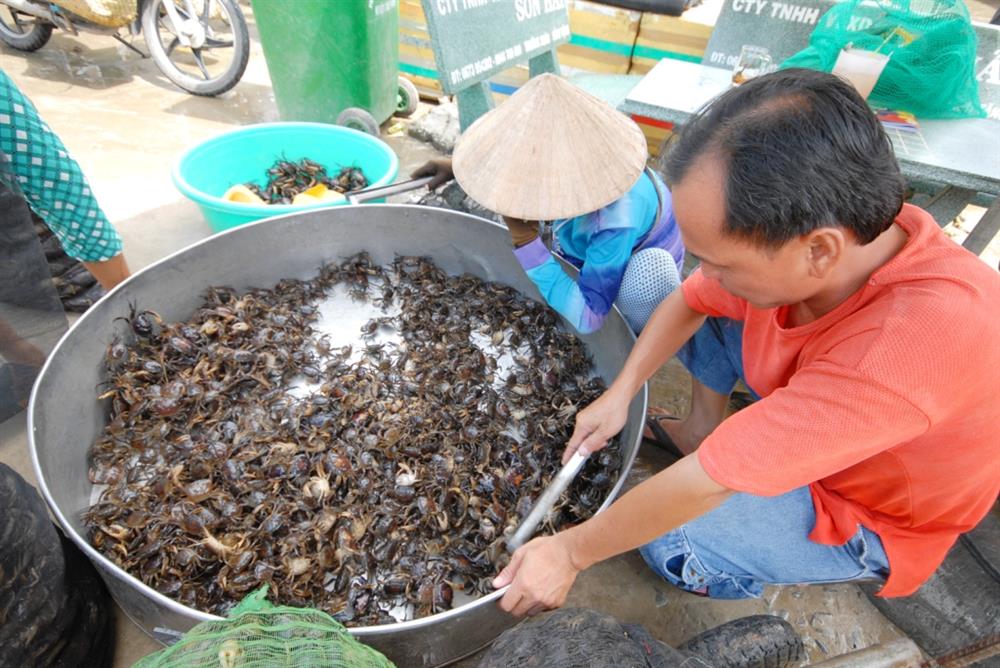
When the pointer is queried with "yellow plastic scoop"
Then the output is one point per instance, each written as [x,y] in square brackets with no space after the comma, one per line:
[316,194]
[242,195]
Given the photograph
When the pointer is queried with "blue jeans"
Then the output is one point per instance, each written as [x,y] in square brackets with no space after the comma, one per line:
[714,355]
[751,541]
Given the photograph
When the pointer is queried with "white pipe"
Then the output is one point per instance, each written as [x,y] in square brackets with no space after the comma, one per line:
[900,653]
[176,22]
[32,8]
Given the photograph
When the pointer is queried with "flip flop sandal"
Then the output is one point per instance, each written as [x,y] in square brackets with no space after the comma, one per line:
[739,400]
[661,439]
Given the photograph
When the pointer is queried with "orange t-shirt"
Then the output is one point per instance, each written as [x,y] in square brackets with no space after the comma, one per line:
[886,406]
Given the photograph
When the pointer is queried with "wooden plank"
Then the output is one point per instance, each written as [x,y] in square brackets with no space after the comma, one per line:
[947,204]
[985,230]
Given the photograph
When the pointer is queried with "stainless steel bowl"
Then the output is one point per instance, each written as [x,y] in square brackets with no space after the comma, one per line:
[64,417]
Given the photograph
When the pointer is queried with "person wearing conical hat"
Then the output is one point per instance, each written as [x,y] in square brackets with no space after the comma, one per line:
[555,153]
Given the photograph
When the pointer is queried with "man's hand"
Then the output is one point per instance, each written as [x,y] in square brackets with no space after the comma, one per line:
[438,168]
[597,424]
[540,575]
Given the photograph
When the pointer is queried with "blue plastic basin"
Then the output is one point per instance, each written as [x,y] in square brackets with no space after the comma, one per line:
[204,173]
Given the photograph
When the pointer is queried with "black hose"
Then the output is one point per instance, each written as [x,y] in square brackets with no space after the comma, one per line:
[665,7]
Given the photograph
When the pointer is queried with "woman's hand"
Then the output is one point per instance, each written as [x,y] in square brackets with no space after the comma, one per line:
[438,168]
[521,231]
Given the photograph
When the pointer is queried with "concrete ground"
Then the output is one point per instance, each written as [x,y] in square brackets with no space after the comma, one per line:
[126,125]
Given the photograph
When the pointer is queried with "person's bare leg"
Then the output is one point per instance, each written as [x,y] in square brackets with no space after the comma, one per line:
[15,349]
[708,409]
[109,273]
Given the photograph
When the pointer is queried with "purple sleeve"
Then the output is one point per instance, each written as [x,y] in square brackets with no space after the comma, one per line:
[586,303]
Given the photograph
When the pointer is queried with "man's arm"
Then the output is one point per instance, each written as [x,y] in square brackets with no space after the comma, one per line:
[542,572]
[672,324]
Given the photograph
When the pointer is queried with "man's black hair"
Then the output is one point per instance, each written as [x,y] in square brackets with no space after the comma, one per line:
[801,151]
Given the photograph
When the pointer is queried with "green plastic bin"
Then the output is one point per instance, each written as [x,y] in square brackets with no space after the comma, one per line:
[326,56]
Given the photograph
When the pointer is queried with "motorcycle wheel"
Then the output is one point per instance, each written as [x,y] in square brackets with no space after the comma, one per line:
[23,32]
[218,27]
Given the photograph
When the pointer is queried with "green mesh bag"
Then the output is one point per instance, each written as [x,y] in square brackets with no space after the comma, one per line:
[932,49]
[258,634]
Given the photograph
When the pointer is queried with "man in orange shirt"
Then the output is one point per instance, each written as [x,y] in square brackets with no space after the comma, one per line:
[870,338]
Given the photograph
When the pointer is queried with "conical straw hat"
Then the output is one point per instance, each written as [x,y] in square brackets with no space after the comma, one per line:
[550,151]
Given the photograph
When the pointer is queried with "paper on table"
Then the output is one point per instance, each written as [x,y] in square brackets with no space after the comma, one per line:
[676,84]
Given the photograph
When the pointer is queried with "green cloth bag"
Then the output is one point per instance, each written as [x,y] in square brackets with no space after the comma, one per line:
[931,47]
[258,634]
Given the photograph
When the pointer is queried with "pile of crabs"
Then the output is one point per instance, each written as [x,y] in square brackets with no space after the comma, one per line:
[377,495]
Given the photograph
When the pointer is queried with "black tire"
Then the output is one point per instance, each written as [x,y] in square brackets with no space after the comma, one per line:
[56,609]
[356,118]
[31,35]
[759,641]
[958,605]
[407,98]
[207,86]
[573,637]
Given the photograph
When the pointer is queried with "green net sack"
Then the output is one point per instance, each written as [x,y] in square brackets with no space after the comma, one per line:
[931,47]
[258,634]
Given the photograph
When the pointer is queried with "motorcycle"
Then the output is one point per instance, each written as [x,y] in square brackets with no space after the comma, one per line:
[202,46]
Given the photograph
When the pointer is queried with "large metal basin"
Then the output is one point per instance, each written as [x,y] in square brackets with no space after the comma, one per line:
[65,417]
